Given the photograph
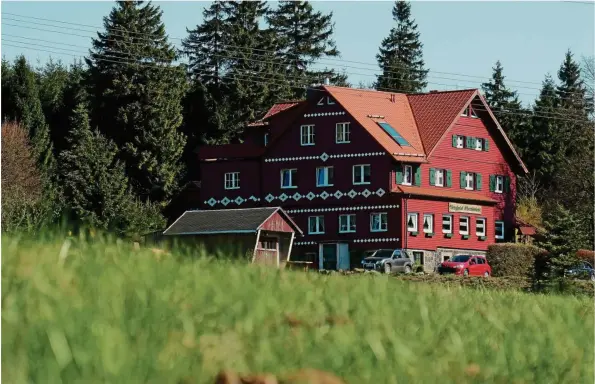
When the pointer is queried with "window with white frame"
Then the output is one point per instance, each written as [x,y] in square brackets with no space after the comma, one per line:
[428,223]
[289,178]
[315,225]
[460,141]
[347,223]
[499,188]
[379,222]
[499,227]
[412,222]
[469,181]
[465,112]
[407,174]
[439,177]
[342,133]
[324,176]
[473,114]
[479,144]
[480,226]
[464,225]
[361,174]
[232,180]
[446,223]
[266,139]
[307,134]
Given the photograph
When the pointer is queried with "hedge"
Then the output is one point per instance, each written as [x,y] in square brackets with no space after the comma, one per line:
[512,259]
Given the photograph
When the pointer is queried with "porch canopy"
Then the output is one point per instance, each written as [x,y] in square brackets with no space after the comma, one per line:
[271,229]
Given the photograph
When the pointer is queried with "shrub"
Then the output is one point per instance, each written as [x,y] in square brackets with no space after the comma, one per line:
[512,259]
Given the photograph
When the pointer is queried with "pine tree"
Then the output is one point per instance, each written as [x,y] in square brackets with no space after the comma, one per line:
[303,36]
[507,107]
[400,57]
[95,182]
[136,97]
[21,103]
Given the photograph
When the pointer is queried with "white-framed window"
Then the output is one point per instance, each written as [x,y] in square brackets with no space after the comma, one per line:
[325,176]
[469,181]
[347,223]
[464,225]
[499,188]
[379,222]
[460,141]
[439,177]
[479,144]
[480,226]
[289,178]
[232,180]
[428,223]
[315,225]
[361,174]
[407,174]
[307,134]
[465,112]
[343,134]
[266,139]
[329,101]
[412,222]
[499,227]
[446,223]
[473,114]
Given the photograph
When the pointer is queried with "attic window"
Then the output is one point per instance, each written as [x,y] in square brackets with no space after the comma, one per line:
[394,134]
[473,114]
[469,112]
[465,112]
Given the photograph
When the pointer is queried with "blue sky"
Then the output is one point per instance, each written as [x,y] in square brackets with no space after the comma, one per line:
[462,40]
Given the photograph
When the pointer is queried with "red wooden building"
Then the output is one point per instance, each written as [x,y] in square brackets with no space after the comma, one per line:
[359,170]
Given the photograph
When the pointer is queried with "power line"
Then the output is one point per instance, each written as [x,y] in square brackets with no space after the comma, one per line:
[281,63]
[236,47]
[257,79]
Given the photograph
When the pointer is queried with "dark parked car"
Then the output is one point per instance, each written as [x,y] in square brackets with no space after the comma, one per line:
[387,261]
[583,270]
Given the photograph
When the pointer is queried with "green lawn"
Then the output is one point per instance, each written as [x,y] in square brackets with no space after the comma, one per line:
[100,311]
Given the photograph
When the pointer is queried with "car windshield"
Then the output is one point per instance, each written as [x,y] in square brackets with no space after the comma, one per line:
[460,259]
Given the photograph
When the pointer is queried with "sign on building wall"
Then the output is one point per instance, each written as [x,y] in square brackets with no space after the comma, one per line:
[464,208]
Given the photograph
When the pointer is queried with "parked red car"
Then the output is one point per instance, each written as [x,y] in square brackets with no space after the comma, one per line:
[467,265]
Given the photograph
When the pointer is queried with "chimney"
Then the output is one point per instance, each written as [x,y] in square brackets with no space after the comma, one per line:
[327,81]
[433,91]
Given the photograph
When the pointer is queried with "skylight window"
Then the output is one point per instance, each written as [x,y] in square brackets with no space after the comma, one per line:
[394,134]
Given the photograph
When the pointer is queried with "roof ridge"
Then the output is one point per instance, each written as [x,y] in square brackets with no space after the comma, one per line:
[441,92]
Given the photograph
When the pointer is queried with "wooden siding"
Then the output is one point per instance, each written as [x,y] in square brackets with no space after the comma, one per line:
[276,223]
[438,208]
[213,184]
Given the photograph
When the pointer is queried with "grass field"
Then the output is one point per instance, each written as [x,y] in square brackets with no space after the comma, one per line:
[96,311]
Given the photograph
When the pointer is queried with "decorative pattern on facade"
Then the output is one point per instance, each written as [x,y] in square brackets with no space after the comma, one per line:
[324,157]
[225,201]
[325,195]
[341,209]
[372,240]
[304,243]
[320,114]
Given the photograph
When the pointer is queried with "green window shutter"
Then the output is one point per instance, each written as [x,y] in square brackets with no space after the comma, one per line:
[448,178]
[492,183]
[399,175]
[417,181]
[486,145]
[507,184]
[473,142]
[432,176]
[462,181]
[454,141]
[478,181]
[468,142]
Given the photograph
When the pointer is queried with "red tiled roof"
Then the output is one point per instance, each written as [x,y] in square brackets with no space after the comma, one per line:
[229,151]
[435,112]
[361,103]
[444,193]
[279,107]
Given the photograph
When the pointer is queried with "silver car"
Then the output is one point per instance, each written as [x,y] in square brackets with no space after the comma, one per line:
[387,261]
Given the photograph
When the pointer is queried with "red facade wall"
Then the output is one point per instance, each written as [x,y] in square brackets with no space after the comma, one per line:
[437,208]
[213,183]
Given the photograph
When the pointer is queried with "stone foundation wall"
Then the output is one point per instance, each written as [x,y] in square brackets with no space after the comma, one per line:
[432,259]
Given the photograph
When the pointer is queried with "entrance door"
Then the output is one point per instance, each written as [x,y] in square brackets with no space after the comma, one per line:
[344,262]
[328,256]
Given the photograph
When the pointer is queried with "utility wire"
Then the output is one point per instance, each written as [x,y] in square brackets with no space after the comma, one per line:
[257,79]
[236,47]
[283,64]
